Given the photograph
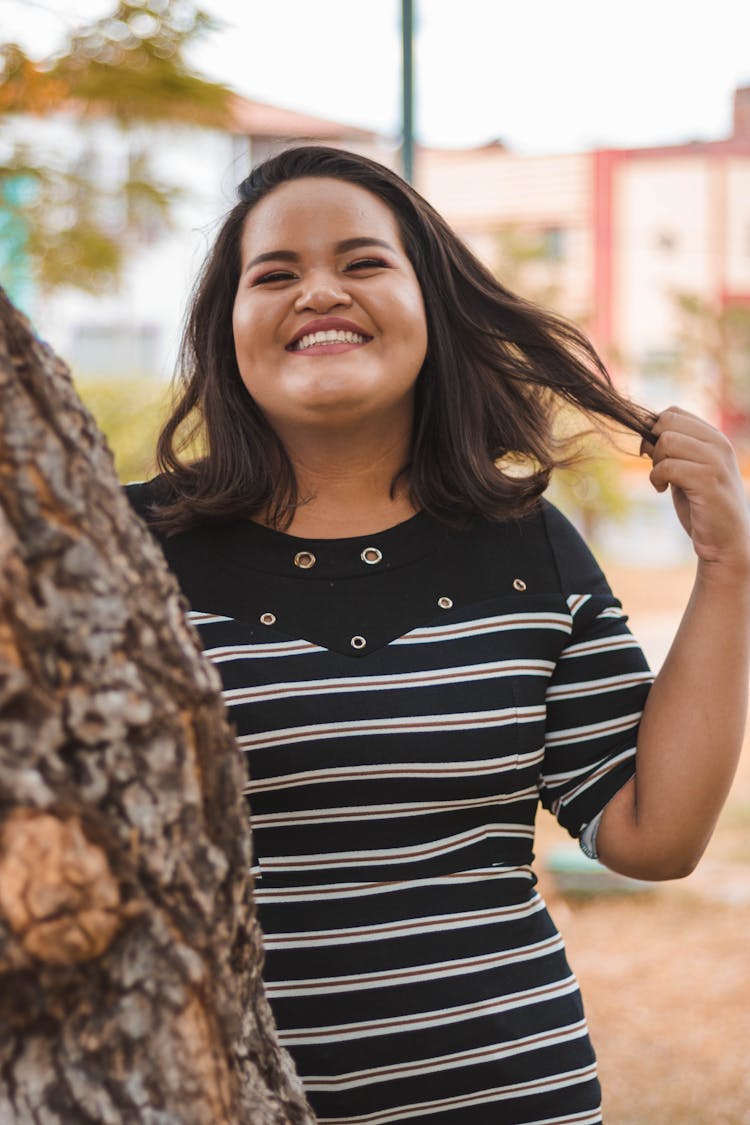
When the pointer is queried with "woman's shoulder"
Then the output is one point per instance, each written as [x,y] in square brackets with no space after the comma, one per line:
[541,547]
[577,567]
[146,495]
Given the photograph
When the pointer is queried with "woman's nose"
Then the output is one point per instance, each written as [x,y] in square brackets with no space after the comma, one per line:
[321,294]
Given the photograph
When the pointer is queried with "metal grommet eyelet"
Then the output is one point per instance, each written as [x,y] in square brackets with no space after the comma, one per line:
[358,642]
[519,584]
[371,555]
[304,560]
[268,618]
[445,603]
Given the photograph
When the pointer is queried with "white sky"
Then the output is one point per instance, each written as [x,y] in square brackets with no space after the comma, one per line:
[542,75]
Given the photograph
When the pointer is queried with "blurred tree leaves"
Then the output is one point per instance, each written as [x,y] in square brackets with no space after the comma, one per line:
[129,411]
[714,349]
[73,217]
[131,65]
[592,486]
[524,263]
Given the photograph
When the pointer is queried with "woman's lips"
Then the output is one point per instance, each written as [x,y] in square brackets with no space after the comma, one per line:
[325,331]
[329,341]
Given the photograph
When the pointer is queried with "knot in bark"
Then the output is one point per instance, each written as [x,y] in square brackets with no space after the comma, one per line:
[57,892]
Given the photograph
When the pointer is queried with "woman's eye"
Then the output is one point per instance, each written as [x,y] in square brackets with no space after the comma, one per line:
[367,264]
[274,275]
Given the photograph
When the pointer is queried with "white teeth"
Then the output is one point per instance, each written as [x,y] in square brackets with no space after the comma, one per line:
[330,336]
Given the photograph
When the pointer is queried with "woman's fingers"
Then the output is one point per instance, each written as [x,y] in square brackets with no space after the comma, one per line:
[682,447]
[681,436]
[682,421]
[672,421]
[698,463]
[690,475]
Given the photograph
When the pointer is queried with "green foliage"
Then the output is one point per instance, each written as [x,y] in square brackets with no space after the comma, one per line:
[131,65]
[523,264]
[76,219]
[129,412]
[714,347]
[72,230]
[593,485]
[591,489]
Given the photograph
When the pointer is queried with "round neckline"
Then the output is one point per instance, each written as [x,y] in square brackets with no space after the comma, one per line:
[305,539]
[399,545]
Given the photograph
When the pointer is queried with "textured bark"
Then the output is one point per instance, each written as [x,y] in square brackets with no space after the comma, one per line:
[130,957]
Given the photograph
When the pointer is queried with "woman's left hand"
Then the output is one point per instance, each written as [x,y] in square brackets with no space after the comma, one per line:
[690,737]
[699,465]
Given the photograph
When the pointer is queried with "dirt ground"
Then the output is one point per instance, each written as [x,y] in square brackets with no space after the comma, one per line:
[665,974]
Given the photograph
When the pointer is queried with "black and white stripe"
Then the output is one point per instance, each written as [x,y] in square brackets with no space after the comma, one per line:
[414,972]
[393,811]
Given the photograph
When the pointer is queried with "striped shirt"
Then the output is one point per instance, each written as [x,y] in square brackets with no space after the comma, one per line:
[405,702]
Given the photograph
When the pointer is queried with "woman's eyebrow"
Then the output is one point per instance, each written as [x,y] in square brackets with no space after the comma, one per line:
[273,256]
[355,243]
[339,248]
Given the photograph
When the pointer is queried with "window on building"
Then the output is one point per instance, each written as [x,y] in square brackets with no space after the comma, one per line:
[666,240]
[553,243]
[658,375]
[736,387]
[104,350]
[15,267]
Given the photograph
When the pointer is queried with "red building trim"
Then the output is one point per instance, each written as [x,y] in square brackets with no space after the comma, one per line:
[732,146]
[602,221]
[605,171]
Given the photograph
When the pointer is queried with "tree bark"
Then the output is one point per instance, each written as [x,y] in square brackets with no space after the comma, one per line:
[130,955]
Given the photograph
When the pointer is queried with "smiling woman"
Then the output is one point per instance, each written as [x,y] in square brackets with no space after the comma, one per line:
[481,392]
[418,650]
[329,331]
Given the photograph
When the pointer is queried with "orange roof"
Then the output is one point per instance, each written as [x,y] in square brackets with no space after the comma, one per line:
[257,119]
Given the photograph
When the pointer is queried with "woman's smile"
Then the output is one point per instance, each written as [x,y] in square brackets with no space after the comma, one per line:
[327,336]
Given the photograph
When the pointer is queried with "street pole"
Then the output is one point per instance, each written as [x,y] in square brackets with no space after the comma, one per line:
[407,113]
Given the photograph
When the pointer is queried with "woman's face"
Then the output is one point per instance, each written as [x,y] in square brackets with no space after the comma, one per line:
[329,323]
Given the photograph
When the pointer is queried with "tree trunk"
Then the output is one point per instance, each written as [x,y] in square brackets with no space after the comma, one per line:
[130,955]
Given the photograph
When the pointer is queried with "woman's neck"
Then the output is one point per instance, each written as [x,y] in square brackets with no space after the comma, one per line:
[346,484]
[345,517]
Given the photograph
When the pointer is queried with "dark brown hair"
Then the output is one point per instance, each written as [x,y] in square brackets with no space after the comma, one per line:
[495,368]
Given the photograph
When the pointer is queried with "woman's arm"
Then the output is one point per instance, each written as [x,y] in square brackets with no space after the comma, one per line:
[689,742]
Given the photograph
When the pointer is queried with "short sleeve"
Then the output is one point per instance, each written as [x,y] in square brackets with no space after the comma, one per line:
[596,694]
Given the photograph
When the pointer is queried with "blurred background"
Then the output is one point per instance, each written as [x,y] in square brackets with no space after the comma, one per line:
[597,158]
[598,164]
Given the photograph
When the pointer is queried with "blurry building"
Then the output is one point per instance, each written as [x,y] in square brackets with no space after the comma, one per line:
[648,249]
[134,331]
